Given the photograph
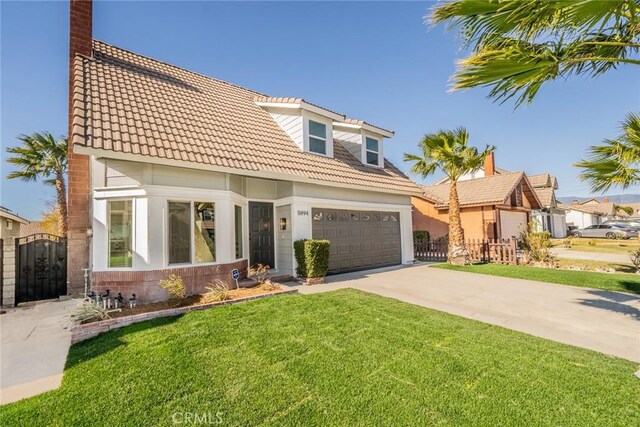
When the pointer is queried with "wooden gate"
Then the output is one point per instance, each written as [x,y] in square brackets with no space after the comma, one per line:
[431,250]
[487,250]
[41,267]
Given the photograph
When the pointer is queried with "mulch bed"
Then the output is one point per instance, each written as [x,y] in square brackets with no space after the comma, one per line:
[194,300]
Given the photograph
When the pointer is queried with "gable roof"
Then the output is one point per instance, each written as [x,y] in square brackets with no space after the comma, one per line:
[545,195]
[540,180]
[489,190]
[135,107]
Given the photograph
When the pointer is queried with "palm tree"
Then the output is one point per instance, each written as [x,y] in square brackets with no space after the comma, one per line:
[449,151]
[518,45]
[42,156]
[617,161]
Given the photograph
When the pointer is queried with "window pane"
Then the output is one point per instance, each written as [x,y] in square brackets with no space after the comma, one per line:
[372,144]
[120,219]
[239,232]
[372,158]
[179,232]
[204,227]
[317,145]
[317,129]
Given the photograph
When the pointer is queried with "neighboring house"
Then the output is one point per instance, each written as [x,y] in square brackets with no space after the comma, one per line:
[11,223]
[593,211]
[549,217]
[195,176]
[492,207]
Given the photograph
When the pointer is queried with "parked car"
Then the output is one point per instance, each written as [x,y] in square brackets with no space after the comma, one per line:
[607,231]
[626,223]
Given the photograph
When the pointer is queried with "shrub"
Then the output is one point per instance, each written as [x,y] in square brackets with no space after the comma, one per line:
[421,235]
[567,242]
[316,254]
[216,291]
[298,250]
[88,312]
[592,242]
[259,272]
[536,245]
[175,286]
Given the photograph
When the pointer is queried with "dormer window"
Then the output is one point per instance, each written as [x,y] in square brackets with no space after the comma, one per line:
[372,151]
[317,137]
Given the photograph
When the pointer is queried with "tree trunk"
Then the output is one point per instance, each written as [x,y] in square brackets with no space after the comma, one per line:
[61,191]
[458,254]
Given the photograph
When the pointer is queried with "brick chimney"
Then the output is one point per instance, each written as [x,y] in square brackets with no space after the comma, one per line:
[490,165]
[605,200]
[575,202]
[78,198]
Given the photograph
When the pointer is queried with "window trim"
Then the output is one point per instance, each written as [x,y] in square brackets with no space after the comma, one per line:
[192,254]
[133,232]
[367,150]
[325,139]
[235,231]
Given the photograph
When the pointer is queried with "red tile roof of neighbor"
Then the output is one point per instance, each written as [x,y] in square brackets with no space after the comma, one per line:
[490,190]
[128,103]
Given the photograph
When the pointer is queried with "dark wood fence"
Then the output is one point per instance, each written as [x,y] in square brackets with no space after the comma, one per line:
[487,250]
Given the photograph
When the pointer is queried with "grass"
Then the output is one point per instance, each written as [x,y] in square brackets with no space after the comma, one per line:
[608,281]
[601,245]
[338,358]
[592,265]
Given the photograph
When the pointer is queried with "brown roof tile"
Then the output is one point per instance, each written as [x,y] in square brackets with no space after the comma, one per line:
[204,120]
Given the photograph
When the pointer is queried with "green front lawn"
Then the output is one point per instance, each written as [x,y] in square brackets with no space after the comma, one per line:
[611,282]
[340,358]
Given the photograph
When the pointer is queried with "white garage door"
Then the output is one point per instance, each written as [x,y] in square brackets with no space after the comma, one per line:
[512,224]
[559,226]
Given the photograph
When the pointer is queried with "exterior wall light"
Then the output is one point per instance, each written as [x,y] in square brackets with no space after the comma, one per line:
[283,224]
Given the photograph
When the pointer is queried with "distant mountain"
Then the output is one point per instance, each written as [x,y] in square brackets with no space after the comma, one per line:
[619,199]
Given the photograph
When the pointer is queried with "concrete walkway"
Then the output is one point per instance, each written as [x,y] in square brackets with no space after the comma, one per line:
[591,256]
[35,342]
[608,322]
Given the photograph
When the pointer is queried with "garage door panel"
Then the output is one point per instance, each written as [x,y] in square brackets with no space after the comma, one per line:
[359,239]
[512,224]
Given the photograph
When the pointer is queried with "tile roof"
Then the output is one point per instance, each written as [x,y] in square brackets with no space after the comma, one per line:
[545,195]
[128,103]
[477,192]
[540,180]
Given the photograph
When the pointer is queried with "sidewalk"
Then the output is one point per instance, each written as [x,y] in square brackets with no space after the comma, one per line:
[591,256]
[35,342]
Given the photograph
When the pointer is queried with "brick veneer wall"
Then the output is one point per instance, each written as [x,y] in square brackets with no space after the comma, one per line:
[9,272]
[80,39]
[145,284]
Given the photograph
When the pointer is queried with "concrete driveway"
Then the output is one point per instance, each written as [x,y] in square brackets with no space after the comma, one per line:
[608,322]
[35,341]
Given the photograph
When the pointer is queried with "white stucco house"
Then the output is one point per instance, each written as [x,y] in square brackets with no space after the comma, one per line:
[580,216]
[550,217]
[196,176]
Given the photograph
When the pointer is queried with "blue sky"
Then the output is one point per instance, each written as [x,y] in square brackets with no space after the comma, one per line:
[374,61]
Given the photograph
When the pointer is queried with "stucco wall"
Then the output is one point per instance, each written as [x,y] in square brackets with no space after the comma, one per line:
[477,222]
[284,249]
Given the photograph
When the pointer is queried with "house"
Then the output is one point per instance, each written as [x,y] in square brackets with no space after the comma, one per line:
[593,211]
[10,224]
[549,217]
[578,216]
[175,172]
[491,207]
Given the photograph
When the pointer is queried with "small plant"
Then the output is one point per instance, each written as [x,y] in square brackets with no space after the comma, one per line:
[316,253]
[260,273]
[89,312]
[298,250]
[567,242]
[216,291]
[421,235]
[270,286]
[175,286]
[592,242]
[619,236]
[635,259]
[536,245]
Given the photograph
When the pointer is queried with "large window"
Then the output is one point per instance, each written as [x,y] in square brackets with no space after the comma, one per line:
[204,220]
[179,232]
[192,225]
[373,151]
[120,230]
[238,220]
[317,137]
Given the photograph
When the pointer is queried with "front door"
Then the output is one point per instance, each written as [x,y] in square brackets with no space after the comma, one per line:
[261,234]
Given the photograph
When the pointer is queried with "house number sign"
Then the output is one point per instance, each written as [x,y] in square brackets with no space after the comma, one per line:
[303,213]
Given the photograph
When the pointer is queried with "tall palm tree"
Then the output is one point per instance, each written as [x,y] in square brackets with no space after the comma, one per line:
[617,161]
[41,156]
[449,151]
[518,45]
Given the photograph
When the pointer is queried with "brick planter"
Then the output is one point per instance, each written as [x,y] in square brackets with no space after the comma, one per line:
[81,332]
